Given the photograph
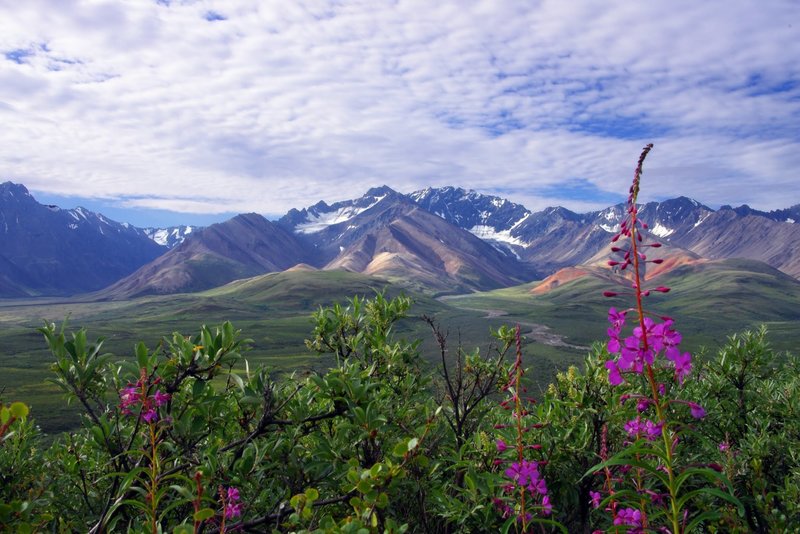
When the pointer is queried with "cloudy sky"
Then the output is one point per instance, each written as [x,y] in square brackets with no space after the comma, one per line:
[161,112]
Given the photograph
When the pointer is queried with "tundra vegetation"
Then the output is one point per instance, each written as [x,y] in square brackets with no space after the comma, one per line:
[187,438]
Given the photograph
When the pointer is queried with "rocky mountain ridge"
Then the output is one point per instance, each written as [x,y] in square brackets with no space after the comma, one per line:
[442,239]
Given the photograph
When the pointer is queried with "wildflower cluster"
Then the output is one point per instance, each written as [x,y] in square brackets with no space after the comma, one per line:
[137,394]
[230,499]
[525,489]
[649,363]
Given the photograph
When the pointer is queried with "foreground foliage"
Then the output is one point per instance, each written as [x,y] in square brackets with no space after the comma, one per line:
[186,438]
[179,440]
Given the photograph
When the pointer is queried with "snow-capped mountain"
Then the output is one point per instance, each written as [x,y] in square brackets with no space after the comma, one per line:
[170,237]
[320,216]
[46,250]
[445,239]
[386,233]
[556,237]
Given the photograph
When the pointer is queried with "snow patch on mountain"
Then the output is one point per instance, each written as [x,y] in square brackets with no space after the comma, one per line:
[490,234]
[169,237]
[522,220]
[661,231]
[320,221]
[700,220]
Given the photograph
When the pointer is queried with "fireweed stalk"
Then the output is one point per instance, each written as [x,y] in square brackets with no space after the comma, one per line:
[525,490]
[136,400]
[649,461]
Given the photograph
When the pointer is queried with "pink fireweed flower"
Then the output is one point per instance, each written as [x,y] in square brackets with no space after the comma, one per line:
[503,507]
[637,428]
[547,508]
[596,498]
[526,474]
[134,395]
[161,398]
[233,508]
[652,431]
[683,366]
[630,517]
[616,318]
[697,411]
[633,427]
[128,397]
[150,415]
[614,376]
[501,445]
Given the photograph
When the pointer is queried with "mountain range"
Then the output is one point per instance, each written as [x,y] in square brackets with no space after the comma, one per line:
[441,240]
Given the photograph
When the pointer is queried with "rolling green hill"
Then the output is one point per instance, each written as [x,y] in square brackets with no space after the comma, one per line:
[709,300]
[273,310]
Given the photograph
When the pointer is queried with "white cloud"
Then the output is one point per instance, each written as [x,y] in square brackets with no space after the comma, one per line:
[285,103]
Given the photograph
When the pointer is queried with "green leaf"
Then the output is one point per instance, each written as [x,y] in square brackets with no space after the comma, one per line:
[183,529]
[238,379]
[198,388]
[203,514]
[364,486]
[141,355]
[412,444]
[19,410]
[400,449]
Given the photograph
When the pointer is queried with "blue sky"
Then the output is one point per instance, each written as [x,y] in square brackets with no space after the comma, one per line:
[167,112]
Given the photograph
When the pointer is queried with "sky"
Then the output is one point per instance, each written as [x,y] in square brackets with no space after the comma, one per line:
[187,112]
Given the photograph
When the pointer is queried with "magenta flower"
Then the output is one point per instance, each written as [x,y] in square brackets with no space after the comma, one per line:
[233,508]
[633,427]
[150,415]
[630,517]
[596,498]
[617,319]
[547,508]
[504,508]
[683,366]
[614,376]
[652,431]
[526,474]
[161,398]
[501,445]
[129,396]
[698,412]
[134,395]
[637,428]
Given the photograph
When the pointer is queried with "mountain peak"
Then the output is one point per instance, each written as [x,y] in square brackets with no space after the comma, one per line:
[18,192]
[380,191]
